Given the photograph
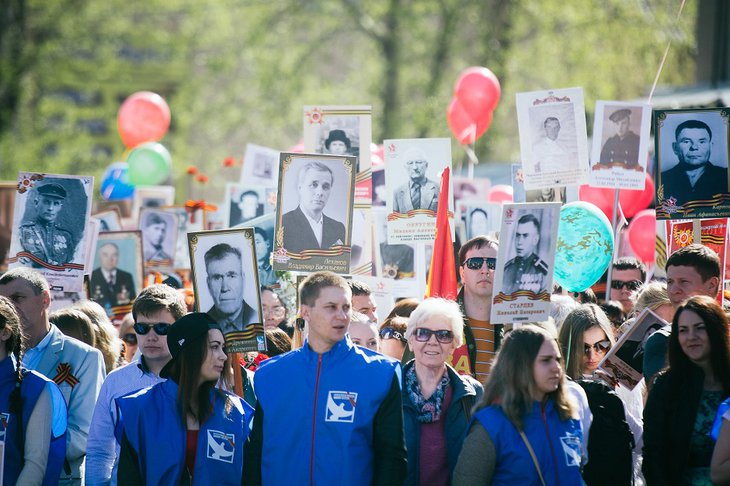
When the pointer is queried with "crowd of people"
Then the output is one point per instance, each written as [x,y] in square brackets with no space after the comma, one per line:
[432,393]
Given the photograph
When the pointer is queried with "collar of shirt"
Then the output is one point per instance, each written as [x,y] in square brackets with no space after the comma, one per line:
[317,226]
[109,274]
[32,356]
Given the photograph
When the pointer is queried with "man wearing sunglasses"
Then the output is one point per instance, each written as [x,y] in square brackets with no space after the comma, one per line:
[526,271]
[477,261]
[627,276]
[77,369]
[154,310]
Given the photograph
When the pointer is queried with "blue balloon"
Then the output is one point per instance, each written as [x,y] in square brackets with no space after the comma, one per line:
[115,182]
[584,247]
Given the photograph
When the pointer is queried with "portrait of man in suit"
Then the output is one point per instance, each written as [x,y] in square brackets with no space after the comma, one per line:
[419,192]
[307,227]
[111,286]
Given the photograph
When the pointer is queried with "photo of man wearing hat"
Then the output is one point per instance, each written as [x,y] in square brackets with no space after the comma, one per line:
[41,236]
[623,148]
[337,143]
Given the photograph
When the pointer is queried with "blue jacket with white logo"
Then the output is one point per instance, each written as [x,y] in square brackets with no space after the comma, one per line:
[149,422]
[557,446]
[333,418]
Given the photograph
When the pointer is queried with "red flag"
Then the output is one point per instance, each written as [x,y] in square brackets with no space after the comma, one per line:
[442,273]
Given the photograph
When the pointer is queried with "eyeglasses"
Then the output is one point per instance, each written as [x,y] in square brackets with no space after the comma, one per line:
[631,284]
[130,339]
[390,333]
[160,328]
[600,347]
[424,335]
[475,263]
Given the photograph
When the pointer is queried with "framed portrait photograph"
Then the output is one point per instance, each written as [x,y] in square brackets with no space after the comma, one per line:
[49,227]
[620,145]
[553,140]
[523,278]
[413,180]
[159,238]
[247,201]
[314,212]
[187,220]
[692,163]
[402,263]
[152,197]
[109,220]
[479,218]
[260,166]
[226,285]
[92,232]
[343,130]
[361,259]
[7,205]
[118,271]
[263,227]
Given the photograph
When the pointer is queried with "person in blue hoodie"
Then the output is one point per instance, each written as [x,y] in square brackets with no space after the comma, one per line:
[185,430]
[32,413]
[525,428]
[330,411]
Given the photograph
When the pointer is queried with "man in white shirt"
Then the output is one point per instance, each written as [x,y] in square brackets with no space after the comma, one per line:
[548,154]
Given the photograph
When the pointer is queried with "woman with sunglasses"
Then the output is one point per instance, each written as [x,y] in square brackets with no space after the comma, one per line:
[585,337]
[185,430]
[437,401]
[526,428]
[682,403]
[393,337]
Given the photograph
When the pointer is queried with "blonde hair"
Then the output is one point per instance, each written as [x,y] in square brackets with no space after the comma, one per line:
[106,336]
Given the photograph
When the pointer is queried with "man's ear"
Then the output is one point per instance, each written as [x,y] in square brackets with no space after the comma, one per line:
[461,273]
[675,148]
[304,311]
[712,285]
[46,299]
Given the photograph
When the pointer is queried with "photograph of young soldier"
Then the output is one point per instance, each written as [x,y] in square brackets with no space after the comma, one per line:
[623,147]
[526,271]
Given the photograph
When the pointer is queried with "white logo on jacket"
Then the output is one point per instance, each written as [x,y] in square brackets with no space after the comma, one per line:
[221,446]
[572,449]
[340,407]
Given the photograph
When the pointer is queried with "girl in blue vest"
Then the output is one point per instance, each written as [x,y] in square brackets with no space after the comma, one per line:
[525,428]
[32,413]
[185,430]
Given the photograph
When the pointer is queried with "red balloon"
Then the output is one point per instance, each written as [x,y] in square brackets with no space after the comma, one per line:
[641,234]
[500,193]
[298,148]
[599,196]
[143,117]
[478,90]
[633,201]
[463,126]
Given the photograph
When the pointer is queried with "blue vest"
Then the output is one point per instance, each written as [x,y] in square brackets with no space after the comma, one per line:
[329,437]
[153,426]
[557,445]
[13,432]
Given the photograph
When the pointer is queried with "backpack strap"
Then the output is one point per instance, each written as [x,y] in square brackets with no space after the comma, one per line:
[532,455]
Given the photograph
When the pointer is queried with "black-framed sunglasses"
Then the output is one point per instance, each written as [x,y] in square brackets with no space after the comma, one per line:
[130,338]
[443,336]
[630,284]
[160,328]
[601,347]
[390,333]
[475,263]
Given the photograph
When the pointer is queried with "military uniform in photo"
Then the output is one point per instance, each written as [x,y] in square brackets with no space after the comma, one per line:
[528,273]
[621,149]
[45,239]
[111,289]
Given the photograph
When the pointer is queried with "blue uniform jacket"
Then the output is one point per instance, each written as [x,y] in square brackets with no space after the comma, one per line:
[150,421]
[557,445]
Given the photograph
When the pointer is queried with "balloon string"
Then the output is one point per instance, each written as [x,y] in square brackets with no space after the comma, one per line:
[664,57]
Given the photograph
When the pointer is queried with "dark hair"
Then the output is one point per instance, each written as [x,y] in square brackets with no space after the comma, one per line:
[716,324]
[397,323]
[359,288]
[699,257]
[34,279]
[263,233]
[159,297]
[311,286]
[630,263]
[404,307]
[692,124]
[614,310]
[154,218]
[586,296]
[219,251]
[477,243]
[277,342]
[550,118]
[9,319]
[248,193]
[529,218]
[74,323]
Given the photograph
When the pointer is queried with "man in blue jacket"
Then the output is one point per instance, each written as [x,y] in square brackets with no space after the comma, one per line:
[329,412]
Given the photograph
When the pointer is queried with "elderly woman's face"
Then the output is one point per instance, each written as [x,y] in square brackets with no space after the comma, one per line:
[433,352]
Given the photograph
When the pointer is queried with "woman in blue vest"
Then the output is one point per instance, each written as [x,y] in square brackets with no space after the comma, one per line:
[525,429]
[32,413]
[185,430]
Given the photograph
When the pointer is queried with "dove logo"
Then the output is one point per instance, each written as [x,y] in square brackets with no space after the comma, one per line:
[340,407]
[221,446]
[571,449]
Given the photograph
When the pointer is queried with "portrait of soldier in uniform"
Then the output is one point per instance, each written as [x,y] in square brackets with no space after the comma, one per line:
[526,271]
[42,236]
[624,146]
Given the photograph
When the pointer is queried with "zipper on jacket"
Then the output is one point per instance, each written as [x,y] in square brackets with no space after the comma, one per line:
[550,443]
[314,420]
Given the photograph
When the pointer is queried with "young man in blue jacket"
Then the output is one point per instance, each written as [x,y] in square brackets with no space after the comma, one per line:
[329,412]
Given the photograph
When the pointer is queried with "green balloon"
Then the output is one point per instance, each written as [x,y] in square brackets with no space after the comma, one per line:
[149,164]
